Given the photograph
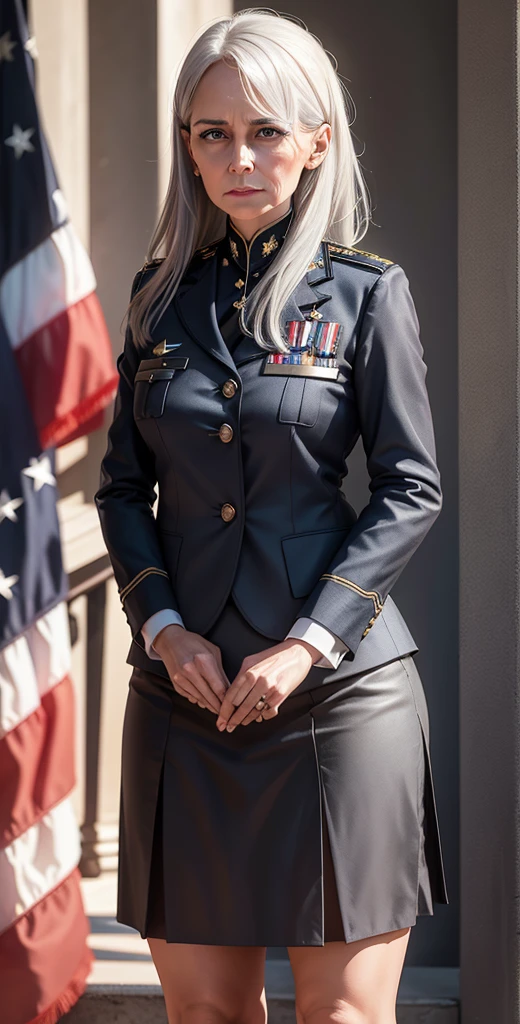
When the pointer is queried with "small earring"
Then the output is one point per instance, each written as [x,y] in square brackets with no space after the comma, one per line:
[196,171]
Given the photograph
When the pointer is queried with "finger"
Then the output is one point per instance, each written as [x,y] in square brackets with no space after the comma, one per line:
[254,716]
[249,702]
[192,700]
[271,712]
[231,700]
[218,656]
[212,675]
[197,686]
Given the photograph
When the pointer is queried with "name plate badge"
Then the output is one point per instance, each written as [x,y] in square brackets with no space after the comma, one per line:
[164,362]
[295,370]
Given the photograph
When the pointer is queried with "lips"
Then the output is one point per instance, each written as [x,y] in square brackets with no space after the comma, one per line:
[242,191]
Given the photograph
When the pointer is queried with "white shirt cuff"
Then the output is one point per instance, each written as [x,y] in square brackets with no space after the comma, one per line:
[332,648]
[153,626]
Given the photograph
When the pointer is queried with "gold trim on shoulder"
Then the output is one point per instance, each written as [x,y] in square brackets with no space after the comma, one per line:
[152,263]
[346,250]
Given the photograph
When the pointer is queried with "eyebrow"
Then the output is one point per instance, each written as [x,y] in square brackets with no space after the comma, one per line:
[256,120]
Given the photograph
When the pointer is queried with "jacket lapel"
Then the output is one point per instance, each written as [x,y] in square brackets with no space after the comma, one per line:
[195,305]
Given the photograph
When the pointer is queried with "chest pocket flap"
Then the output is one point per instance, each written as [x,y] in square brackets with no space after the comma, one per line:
[150,390]
[300,401]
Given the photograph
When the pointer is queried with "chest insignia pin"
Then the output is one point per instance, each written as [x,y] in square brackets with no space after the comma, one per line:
[165,346]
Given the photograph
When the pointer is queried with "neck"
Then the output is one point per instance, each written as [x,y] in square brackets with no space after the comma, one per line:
[248,228]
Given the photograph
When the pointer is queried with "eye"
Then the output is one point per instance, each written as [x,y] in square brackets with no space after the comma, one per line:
[269,128]
[210,131]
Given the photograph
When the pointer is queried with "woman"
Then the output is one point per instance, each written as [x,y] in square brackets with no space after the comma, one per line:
[258,349]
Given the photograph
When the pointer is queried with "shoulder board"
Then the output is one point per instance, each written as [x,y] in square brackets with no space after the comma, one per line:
[149,265]
[153,263]
[205,251]
[348,254]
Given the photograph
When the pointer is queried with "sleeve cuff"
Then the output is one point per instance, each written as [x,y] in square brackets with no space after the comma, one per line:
[153,626]
[332,648]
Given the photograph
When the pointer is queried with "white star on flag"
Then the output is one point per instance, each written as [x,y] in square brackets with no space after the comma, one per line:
[6,583]
[19,140]
[40,470]
[31,48]
[6,46]
[8,506]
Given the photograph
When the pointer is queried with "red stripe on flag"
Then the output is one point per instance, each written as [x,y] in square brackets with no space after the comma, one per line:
[37,763]
[45,959]
[68,372]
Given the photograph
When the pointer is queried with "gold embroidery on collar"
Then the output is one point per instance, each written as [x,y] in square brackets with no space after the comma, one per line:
[269,246]
[234,247]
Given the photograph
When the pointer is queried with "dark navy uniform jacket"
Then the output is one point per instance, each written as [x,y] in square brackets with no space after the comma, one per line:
[250,458]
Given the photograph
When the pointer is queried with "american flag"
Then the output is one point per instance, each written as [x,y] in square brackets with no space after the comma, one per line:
[57,376]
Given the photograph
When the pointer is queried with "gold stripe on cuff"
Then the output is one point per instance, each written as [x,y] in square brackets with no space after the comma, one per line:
[123,594]
[372,594]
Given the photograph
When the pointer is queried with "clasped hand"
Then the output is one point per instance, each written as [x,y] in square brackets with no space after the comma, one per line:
[194,665]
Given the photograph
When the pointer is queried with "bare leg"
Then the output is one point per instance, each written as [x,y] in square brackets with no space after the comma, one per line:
[211,984]
[349,982]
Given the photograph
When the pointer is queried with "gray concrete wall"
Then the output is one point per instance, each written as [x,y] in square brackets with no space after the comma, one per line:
[399,62]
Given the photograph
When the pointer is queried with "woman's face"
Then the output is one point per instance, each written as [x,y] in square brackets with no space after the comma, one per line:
[233,154]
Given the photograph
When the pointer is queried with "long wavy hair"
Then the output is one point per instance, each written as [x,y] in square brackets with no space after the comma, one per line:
[287,74]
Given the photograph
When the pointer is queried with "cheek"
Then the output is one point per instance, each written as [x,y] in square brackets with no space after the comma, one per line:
[281,167]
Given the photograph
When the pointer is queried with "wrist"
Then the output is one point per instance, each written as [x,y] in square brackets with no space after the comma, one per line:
[164,634]
[313,651]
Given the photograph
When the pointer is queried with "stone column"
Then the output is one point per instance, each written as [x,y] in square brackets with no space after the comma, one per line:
[489,510]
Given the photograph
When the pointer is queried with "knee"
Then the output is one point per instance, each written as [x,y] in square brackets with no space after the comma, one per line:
[209,1013]
[340,1012]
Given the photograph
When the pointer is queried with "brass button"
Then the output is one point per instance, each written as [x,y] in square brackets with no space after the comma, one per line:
[228,512]
[225,432]
[229,388]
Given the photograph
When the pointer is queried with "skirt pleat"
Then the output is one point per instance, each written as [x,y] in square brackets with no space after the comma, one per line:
[317,825]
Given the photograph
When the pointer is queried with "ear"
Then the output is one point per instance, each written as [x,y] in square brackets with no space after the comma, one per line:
[320,147]
[186,138]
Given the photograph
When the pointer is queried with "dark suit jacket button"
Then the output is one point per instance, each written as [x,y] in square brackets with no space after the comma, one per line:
[229,388]
[228,512]
[225,432]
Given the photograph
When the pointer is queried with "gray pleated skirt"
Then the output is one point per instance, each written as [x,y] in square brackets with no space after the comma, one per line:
[317,825]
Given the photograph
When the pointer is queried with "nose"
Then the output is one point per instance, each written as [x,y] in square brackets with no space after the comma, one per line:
[241,159]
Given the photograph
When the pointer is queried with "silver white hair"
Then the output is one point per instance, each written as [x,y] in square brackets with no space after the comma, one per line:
[286,73]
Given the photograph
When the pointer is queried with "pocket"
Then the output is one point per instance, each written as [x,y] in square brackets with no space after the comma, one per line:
[150,390]
[307,555]
[300,401]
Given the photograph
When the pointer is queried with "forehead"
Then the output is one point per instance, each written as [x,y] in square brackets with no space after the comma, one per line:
[220,94]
